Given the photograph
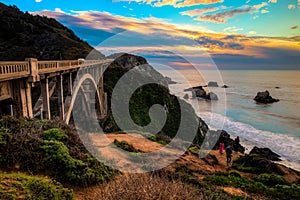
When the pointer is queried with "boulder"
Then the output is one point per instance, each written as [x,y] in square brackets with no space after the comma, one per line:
[264,97]
[212,96]
[212,84]
[266,152]
[186,96]
[256,164]
[200,93]
[225,138]
[224,86]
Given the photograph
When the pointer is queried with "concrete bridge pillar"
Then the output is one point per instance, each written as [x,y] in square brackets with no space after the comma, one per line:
[34,71]
[60,95]
[46,98]
[70,85]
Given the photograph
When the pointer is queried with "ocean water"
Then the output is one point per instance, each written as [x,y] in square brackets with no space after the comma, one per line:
[276,126]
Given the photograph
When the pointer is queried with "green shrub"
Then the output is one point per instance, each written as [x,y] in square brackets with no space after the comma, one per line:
[50,148]
[263,185]
[54,134]
[21,186]
[126,146]
[271,179]
[285,192]
[232,179]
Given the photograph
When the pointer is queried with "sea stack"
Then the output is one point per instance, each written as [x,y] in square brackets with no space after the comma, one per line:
[264,97]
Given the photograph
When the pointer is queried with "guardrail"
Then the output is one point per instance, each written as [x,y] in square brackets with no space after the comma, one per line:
[12,70]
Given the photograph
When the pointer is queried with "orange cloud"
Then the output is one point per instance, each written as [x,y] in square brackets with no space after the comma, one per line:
[291,6]
[273,1]
[213,43]
[179,3]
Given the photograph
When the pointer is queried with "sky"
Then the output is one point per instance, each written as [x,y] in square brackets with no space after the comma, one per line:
[232,34]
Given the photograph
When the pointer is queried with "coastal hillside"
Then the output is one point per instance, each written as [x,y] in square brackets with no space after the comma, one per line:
[148,95]
[23,35]
[45,159]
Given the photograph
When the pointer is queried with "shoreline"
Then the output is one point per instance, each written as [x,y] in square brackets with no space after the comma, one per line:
[249,146]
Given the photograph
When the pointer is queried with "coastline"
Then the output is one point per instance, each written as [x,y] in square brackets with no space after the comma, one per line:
[249,146]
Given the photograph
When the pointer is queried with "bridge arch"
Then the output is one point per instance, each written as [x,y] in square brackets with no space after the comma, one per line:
[77,89]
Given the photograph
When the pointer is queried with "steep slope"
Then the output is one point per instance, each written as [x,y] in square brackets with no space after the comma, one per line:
[23,35]
[148,95]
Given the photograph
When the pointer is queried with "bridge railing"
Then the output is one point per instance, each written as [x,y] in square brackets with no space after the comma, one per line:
[14,69]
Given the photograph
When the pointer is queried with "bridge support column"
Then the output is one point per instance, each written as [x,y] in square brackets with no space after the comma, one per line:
[25,103]
[46,98]
[61,97]
[70,84]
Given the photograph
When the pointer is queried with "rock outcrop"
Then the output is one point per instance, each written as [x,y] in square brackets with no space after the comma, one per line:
[264,97]
[212,96]
[225,138]
[199,92]
[266,152]
[212,84]
[224,86]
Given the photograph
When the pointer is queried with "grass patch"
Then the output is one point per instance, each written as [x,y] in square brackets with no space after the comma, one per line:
[21,186]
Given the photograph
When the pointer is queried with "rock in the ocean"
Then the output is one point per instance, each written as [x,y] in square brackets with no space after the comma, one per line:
[212,84]
[266,152]
[224,86]
[200,92]
[264,97]
[212,96]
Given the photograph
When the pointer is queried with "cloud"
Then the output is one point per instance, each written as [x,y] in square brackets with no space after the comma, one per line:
[221,17]
[210,43]
[259,6]
[198,12]
[272,1]
[38,1]
[157,35]
[294,27]
[178,3]
[233,29]
[264,11]
[252,32]
[291,6]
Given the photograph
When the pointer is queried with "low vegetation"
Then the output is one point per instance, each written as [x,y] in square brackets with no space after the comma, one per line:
[21,186]
[269,185]
[50,148]
[126,146]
